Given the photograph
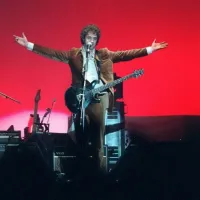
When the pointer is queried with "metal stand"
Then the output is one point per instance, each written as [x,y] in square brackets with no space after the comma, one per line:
[44,127]
[7,97]
[84,70]
[50,110]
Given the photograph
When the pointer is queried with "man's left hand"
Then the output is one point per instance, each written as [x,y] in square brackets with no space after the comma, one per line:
[157,46]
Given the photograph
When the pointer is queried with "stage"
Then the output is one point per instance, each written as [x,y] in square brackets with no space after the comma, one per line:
[161,161]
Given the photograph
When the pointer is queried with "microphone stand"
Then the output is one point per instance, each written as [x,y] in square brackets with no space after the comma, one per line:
[7,97]
[51,110]
[84,70]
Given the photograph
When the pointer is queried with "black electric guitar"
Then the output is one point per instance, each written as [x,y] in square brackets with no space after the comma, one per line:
[73,95]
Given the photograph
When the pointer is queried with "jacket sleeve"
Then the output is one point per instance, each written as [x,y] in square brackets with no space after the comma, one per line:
[118,56]
[62,56]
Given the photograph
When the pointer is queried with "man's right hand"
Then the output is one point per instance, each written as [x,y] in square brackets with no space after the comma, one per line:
[21,40]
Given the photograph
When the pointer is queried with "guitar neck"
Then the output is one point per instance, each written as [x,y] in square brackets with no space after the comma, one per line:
[111,84]
[35,117]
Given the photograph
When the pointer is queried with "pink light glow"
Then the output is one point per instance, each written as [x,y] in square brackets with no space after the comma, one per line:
[58,121]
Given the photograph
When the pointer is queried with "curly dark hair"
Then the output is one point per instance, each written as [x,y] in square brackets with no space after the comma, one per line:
[92,28]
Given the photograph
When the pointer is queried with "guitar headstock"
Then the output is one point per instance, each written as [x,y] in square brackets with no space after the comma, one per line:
[37,96]
[138,72]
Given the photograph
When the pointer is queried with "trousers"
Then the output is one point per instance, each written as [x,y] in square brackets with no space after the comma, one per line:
[91,141]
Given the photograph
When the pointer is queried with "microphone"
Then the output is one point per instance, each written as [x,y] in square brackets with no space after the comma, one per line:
[54,100]
[88,45]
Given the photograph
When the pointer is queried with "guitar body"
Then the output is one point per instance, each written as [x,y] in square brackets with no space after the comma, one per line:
[73,97]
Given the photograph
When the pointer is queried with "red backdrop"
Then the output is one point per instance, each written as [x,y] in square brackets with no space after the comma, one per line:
[170,85]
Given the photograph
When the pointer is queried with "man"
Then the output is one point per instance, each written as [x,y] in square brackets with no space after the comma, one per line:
[99,67]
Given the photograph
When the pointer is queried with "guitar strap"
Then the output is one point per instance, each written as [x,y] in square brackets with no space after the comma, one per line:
[98,63]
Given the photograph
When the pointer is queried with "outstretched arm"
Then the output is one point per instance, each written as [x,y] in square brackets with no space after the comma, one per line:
[62,56]
[136,53]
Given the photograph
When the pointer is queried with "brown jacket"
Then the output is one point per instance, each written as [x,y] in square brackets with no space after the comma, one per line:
[74,58]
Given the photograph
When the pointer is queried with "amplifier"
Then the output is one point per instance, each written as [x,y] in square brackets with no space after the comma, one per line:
[13,137]
[66,162]
[8,148]
[62,159]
